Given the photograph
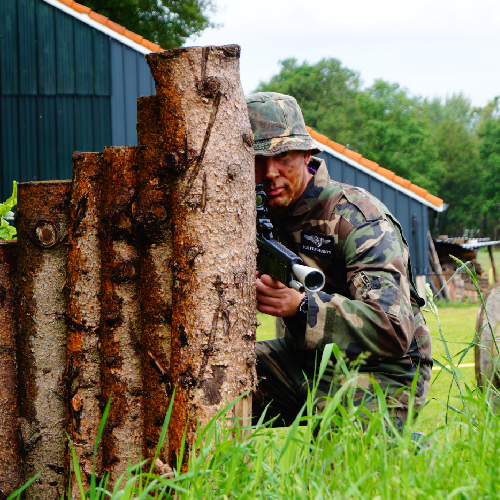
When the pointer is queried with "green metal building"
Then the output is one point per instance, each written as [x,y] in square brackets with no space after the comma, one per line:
[68,82]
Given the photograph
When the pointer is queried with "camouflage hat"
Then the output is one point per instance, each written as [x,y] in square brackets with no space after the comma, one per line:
[277,124]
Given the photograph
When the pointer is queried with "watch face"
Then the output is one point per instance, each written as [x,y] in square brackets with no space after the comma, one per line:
[302,309]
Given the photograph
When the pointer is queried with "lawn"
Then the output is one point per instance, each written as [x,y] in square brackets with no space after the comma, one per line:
[333,456]
[458,325]
[483,258]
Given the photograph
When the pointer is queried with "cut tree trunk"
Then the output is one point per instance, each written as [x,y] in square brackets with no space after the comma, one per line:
[120,325]
[42,221]
[208,138]
[83,360]
[10,438]
[492,260]
[487,356]
[155,233]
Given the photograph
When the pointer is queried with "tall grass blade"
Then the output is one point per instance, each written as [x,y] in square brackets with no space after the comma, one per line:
[163,432]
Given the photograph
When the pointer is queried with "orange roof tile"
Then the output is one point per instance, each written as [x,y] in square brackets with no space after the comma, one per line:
[386,172]
[112,25]
[418,190]
[151,46]
[336,146]
[133,36]
[353,155]
[80,8]
[116,27]
[319,137]
[402,182]
[434,200]
[369,164]
[98,17]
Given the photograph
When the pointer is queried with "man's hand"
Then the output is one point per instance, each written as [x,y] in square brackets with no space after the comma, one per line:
[276,299]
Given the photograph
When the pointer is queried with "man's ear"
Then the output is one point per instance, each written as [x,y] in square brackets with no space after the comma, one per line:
[307,157]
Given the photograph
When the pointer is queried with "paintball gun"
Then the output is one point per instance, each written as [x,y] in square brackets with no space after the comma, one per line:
[276,260]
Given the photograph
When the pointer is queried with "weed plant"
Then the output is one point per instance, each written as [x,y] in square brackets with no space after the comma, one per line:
[340,453]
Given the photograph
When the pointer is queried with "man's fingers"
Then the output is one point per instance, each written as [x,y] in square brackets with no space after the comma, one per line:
[271,282]
[269,291]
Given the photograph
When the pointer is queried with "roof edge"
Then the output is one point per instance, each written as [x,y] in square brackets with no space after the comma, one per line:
[102,23]
[375,170]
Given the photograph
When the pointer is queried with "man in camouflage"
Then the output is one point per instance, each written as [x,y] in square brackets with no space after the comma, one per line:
[368,305]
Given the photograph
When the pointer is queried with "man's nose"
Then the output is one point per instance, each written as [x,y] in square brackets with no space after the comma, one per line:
[271,168]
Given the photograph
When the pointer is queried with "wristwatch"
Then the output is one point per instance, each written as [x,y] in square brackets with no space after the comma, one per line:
[302,308]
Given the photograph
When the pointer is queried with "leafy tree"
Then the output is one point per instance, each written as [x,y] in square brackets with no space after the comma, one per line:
[457,175]
[459,180]
[326,92]
[166,22]
[489,151]
[396,134]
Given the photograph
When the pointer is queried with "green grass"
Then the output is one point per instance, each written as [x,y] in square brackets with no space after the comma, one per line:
[356,457]
[458,325]
[483,258]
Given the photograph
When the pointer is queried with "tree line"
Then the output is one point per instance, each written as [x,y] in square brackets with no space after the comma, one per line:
[446,146]
[169,23]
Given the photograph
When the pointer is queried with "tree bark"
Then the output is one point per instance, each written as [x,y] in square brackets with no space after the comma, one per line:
[207,134]
[492,260]
[83,360]
[486,352]
[154,228]
[121,328]
[10,437]
[42,222]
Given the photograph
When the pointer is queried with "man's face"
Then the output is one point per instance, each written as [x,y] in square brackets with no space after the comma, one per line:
[284,176]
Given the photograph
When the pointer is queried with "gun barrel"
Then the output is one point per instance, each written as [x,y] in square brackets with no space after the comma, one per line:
[312,279]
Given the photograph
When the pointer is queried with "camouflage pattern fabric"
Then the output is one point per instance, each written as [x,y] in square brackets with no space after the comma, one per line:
[368,304]
[285,379]
[277,124]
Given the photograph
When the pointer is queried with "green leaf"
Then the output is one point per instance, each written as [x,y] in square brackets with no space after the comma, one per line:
[8,232]
[10,203]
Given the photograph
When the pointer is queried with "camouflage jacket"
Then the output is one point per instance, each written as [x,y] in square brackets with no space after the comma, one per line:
[369,303]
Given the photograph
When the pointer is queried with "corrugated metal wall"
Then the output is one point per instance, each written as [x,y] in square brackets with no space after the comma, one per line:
[131,79]
[411,214]
[64,87]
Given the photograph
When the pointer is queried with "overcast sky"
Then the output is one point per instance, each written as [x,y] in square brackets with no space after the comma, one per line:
[434,48]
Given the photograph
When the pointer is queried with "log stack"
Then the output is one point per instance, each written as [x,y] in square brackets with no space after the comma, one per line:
[133,280]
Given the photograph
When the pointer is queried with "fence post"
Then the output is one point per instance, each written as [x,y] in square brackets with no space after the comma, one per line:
[154,227]
[42,221]
[83,355]
[10,456]
[211,170]
[120,324]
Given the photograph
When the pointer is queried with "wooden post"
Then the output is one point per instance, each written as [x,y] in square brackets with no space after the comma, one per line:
[10,438]
[120,324]
[208,139]
[83,360]
[490,251]
[42,221]
[486,352]
[437,267]
[155,235]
